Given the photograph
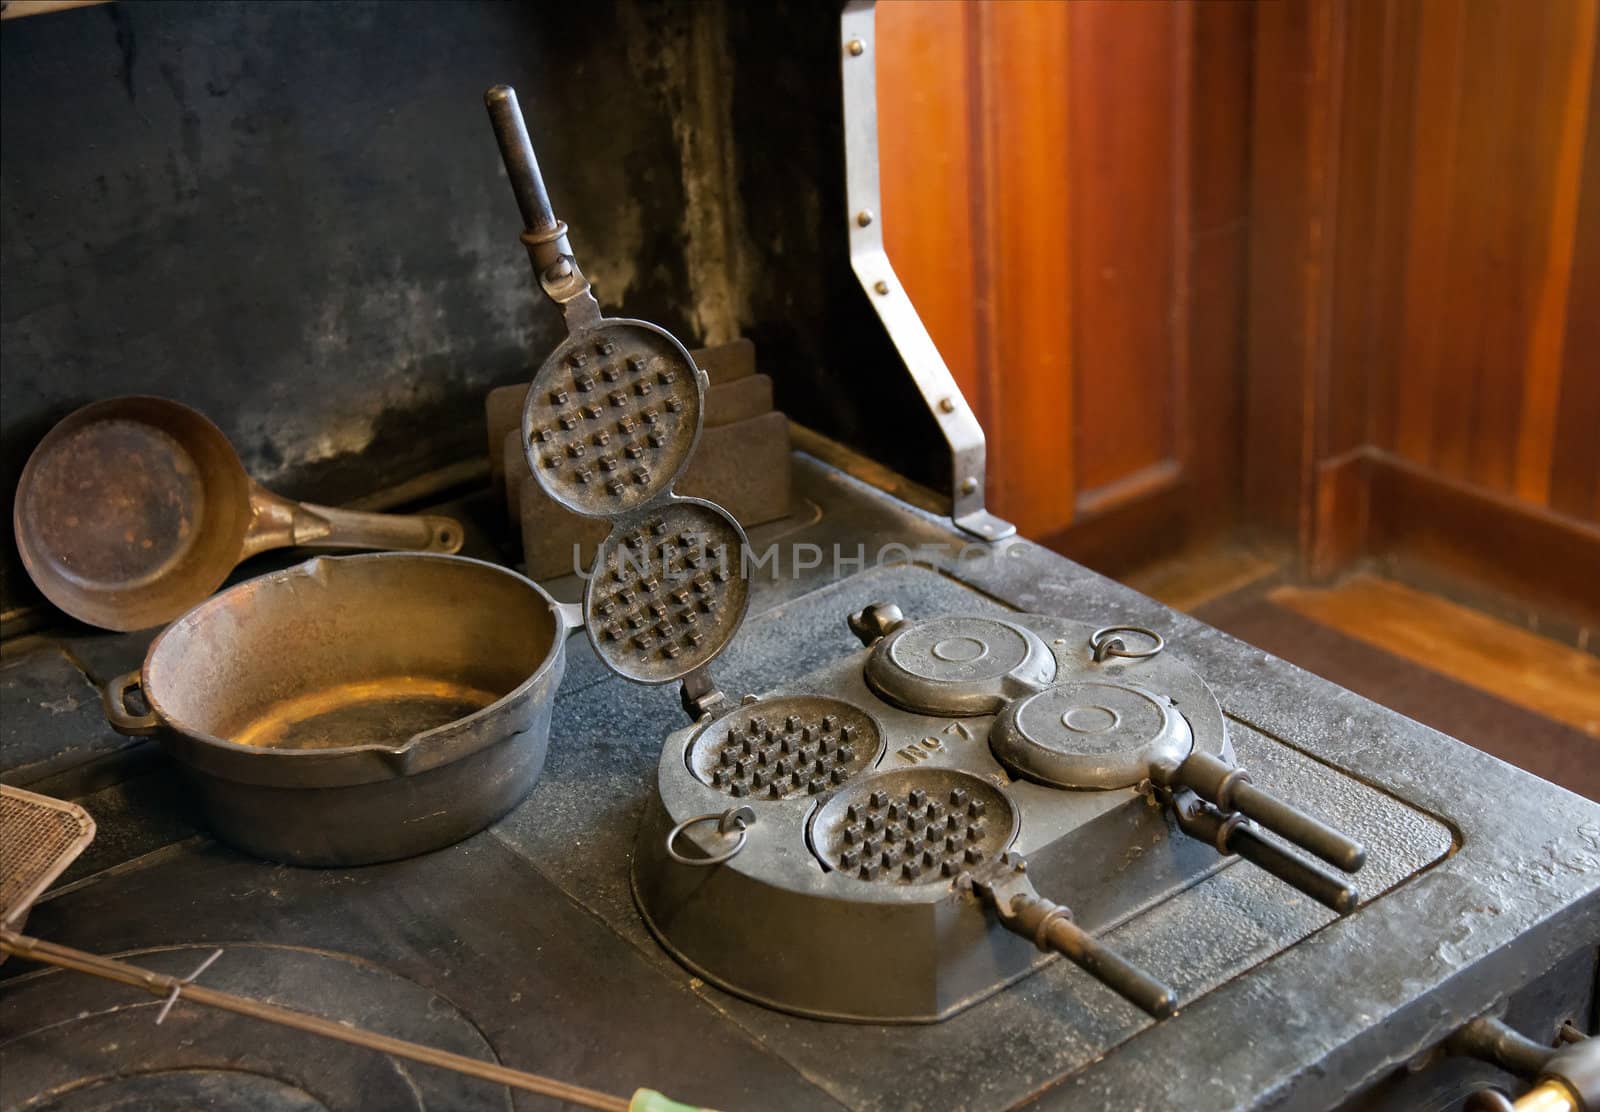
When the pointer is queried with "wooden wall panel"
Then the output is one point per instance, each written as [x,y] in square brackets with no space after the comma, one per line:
[928,134]
[1023,198]
[1071,224]
[1575,458]
[1447,151]
[1126,222]
[1501,135]
[1217,263]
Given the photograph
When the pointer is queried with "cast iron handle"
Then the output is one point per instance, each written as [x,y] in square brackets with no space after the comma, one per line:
[1229,788]
[522,167]
[1234,833]
[873,623]
[1005,886]
[1051,927]
[544,236]
[114,697]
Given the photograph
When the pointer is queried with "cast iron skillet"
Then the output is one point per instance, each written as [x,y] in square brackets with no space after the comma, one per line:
[132,510]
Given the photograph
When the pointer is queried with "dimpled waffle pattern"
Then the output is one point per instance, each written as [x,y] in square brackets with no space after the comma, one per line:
[914,828]
[668,591]
[786,747]
[41,836]
[611,418]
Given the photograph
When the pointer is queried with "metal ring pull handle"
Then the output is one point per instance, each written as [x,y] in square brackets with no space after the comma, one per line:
[733,819]
[1104,643]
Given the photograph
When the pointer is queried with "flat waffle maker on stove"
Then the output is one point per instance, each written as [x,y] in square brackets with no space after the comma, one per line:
[871,842]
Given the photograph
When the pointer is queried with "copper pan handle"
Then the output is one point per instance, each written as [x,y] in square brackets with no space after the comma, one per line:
[277,522]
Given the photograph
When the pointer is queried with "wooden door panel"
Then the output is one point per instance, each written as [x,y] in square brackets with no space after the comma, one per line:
[1040,218]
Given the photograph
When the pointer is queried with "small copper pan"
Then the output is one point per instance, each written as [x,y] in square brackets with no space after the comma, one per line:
[132,510]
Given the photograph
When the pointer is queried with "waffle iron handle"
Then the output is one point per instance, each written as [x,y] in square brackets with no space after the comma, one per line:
[1050,927]
[1234,833]
[1229,788]
[544,236]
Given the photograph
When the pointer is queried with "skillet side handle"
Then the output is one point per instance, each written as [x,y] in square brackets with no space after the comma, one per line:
[114,697]
[571,614]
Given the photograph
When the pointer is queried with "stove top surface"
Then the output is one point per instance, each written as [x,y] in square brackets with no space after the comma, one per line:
[524,943]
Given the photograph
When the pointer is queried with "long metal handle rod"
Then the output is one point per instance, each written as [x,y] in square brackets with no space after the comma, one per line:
[159,984]
[1234,833]
[1229,788]
[1110,968]
[1050,926]
[545,236]
[1324,887]
[521,165]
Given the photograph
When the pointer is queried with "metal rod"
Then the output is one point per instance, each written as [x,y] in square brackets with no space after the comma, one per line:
[1111,968]
[1228,787]
[159,984]
[1310,834]
[1050,926]
[1234,833]
[1328,890]
[521,165]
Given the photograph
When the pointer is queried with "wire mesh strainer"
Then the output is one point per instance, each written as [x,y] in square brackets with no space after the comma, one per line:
[40,837]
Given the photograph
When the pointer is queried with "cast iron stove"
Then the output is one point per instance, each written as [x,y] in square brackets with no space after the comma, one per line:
[889,833]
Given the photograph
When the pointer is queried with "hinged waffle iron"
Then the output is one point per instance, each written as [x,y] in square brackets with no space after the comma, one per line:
[900,833]
[871,841]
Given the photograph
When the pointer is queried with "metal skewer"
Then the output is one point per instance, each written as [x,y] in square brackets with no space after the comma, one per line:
[170,988]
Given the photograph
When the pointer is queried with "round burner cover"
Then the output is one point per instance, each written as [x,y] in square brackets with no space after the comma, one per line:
[959,665]
[1090,735]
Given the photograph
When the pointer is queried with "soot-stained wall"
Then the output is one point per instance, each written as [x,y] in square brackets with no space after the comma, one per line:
[293,217]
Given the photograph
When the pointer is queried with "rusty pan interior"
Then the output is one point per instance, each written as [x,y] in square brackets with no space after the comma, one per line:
[128,505]
[351,652]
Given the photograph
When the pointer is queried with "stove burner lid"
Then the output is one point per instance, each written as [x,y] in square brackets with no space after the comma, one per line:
[961,665]
[1098,735]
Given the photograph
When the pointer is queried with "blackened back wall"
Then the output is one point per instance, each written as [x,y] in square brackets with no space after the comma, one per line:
[292,216]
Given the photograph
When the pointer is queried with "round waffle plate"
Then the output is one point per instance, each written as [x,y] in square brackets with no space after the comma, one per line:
[1095,734]
[667,591]
[913,826]
[787,747]
[962,665]
[612,417]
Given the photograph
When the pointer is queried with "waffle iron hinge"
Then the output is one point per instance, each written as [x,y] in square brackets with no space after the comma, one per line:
[870,261]
[702,698]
